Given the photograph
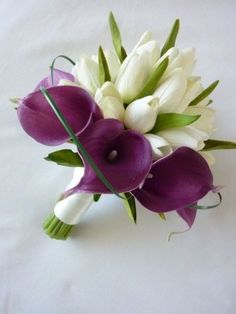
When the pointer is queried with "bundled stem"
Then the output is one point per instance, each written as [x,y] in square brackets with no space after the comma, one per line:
[55,228]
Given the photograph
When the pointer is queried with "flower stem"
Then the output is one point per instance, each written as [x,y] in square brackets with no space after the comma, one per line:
[55,228]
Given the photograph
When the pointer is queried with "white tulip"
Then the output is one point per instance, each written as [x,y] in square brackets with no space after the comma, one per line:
[188,61]
[132,76]
[141,114]
[113,64]
[160,147]
[109,100]
[192,90]
[210,159]
[184,59]
[86,72]
[205,122]
[112,61]
[146,37]
[185,136]
[136,68]
[171,91]
[64,82]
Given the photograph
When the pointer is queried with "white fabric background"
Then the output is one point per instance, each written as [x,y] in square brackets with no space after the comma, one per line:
[109,265]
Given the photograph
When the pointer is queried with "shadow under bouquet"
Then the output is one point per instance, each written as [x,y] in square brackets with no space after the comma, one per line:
[141,124]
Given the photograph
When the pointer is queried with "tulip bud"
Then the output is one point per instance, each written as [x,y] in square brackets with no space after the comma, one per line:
[141,114]
[160,147]
[86,72]
[171,91]
[206,120]
[184,59]
[193,87]
[185,136]
[136,68]
[109,100]
[113,64]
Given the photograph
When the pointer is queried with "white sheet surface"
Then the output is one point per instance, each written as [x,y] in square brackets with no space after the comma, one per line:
[109,265]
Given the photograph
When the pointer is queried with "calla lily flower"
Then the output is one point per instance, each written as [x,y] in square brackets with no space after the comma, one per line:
[175,182]
[57,76]
[188,214]
[116,152]
[40,122]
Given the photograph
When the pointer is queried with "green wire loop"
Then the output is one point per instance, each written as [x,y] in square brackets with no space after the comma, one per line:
[202,207]
[53,63]
[76,141]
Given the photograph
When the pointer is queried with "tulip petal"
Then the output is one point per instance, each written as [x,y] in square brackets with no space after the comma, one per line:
[57,76]
[41,123]
[123,156]
[175,182]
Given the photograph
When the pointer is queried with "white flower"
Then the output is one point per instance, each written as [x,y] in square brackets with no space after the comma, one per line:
[192,90]
[86,72]
[141,114]
[210,159]
[136,68]
[109,100]
[205,122]
[171,91]
[184,59]
[113,63]
[160,147]
[185,136]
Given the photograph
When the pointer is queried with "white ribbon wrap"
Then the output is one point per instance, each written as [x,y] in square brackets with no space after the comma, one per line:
[71,209]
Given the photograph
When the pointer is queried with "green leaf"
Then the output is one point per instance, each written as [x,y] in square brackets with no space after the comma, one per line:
[153,80]
[116,38]
[96,197]
[162,216]
[209,102]
[104,73]
[218,144]
[170,41]
[173,120]
[131,207]
[65,157]
[206,92]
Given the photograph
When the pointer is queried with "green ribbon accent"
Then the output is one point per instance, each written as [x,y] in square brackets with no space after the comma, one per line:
[76,141]
[202,207]
[53,63]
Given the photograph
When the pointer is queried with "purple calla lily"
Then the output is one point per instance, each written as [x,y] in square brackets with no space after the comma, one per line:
[188,215]
[124,157]
[41,123]
[57,76]
[175,182]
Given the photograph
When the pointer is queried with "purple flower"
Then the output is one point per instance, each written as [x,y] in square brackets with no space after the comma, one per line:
[40,122]
[175,182]
[57,76]
[124,157]
[188,215]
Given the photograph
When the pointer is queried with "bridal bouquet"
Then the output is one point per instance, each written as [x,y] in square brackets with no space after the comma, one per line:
[141,125]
